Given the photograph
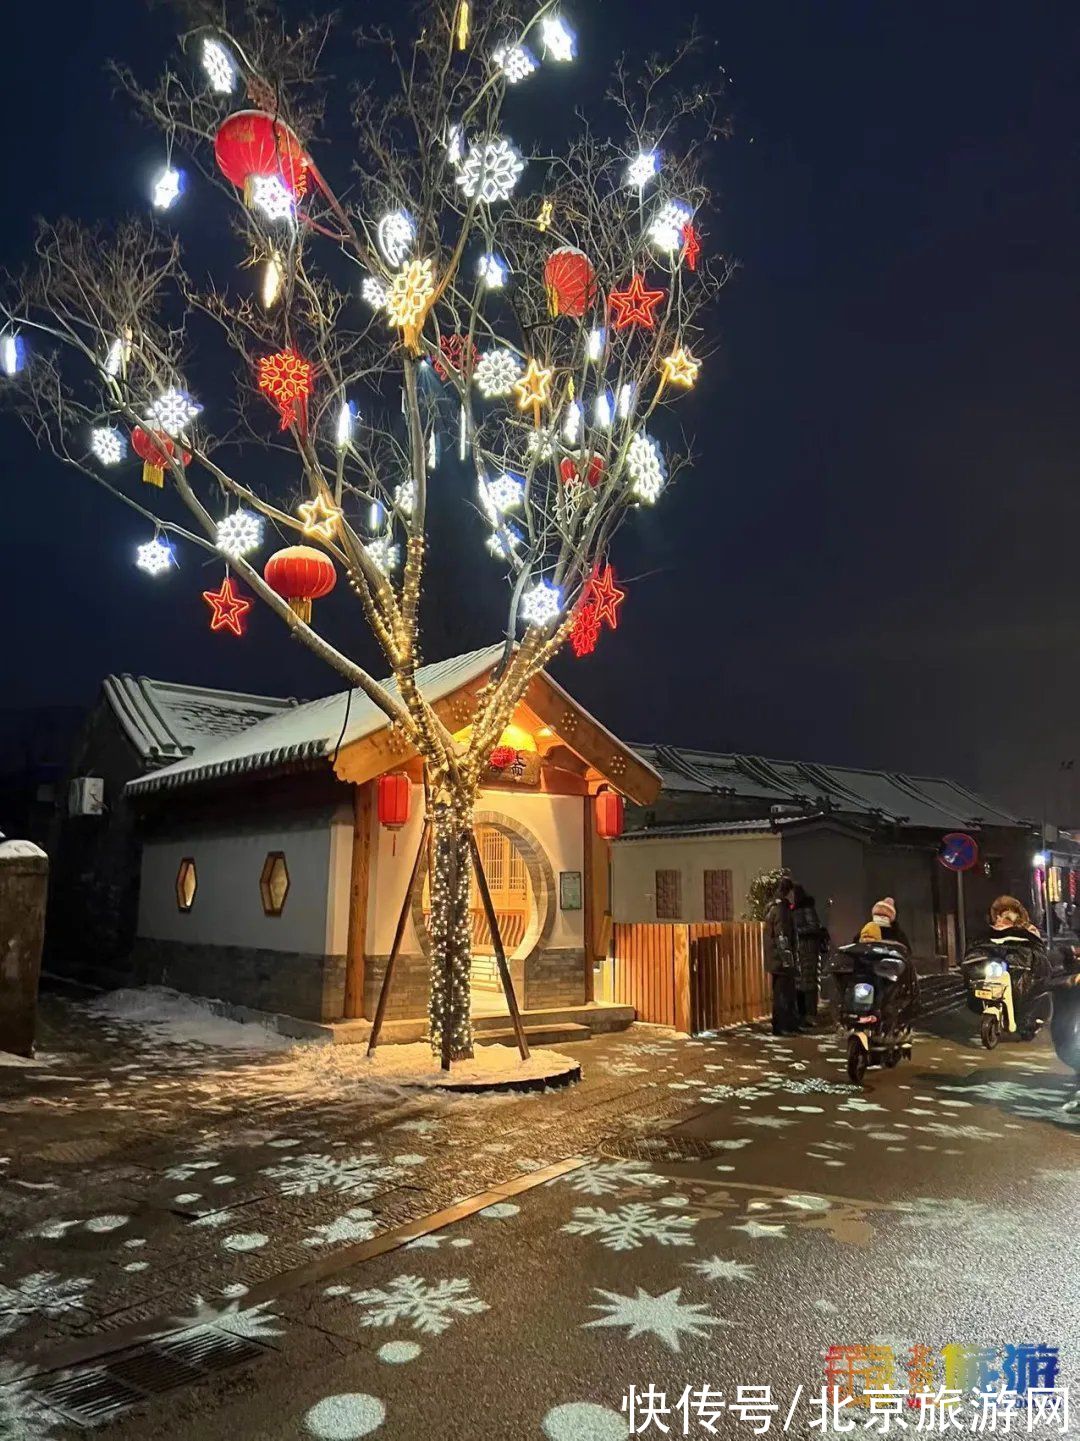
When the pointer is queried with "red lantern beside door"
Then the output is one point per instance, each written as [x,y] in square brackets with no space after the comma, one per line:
[395,796]
[610,811]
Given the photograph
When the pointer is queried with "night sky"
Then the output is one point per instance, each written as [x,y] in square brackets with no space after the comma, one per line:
[874,559]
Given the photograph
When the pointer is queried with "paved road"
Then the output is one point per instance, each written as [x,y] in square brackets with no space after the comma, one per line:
[785,1214]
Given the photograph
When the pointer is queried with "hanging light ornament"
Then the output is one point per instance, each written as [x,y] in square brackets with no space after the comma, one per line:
[586,630]
[570,470]
[155,556]
[374,292]
[504,542]
[462,23]
[570,282]
[505,492]
[239,534]
[678,368]
[273,278]
[668,224]
[492,271]
[320,518]
[156,450]
[627,399]
[384,555]
[560,42]
[594,346]
[602,411]
[228,607]
[545,216]
[642,169]
[609,809]
[409,299]
[455,145]
[635,305]
[541,444]
[395,236]
[117,356]
[645,464]
[173,411]
[168,187]
[517,62]
[12,353]
[219,67]
[405,497]
[602,593]
[571,429]
[490,170]
[496,373]
[343,428]
[252,147]
[108,444]
[300,574]
[285,378]
[541,605]
[691,246]
[457,353]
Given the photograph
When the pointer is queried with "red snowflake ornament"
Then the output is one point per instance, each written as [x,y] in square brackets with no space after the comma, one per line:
[458,353]
[285,378]
[585,632]
[634,305]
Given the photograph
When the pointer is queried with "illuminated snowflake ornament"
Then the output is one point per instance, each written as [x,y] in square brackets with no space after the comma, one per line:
[272,197]
[168,188]
[395,235]
[668,224]
[173,412]
[541,605]
[517,62]
[239,534]
[383,554]
[642,169]
[405,497]
[504,542]
[108,444]
[490,171]
[645,463]
[374,292]
[219,67]
[541,444]
[496,373]
[505,492]
[155,556]
[560,42]
[410,295]
[492,271]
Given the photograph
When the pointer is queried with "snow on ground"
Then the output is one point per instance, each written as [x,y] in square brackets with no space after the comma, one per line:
[8,1059]
[414,1065]
[183,1020]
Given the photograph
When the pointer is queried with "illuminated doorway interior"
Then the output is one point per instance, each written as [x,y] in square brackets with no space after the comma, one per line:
[513,901]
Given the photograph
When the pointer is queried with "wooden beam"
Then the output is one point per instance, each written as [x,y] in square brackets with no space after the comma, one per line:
[358,901]
[612,760]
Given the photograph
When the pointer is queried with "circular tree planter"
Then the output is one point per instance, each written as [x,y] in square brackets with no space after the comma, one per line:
[493,1067]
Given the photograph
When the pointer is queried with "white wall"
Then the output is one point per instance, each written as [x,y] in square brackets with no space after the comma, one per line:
[228,904]
[557,822]
[634,865]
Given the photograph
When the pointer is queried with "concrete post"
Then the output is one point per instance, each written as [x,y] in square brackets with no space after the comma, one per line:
[24,875]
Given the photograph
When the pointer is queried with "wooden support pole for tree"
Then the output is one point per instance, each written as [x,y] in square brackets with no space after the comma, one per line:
[384,991]
[500,954]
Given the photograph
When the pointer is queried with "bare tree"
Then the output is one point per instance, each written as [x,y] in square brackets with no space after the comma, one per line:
[537,312]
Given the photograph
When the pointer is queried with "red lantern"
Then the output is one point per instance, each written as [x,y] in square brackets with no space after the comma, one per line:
[251,144]
[395,794]
[570,281]
[300,575]
[610,809]
[155,449]
[569,474]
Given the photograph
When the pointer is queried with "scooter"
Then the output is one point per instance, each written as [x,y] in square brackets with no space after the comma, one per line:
[993,994]
[878,1000]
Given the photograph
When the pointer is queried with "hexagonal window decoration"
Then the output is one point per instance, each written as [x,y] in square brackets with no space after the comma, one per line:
[186,884]
[274,883]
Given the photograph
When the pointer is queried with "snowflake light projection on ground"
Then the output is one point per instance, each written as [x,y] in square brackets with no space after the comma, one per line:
[359,1176]
[716,1268]
[631,1226]
[430,1308]
[666,1316]
[43,1293]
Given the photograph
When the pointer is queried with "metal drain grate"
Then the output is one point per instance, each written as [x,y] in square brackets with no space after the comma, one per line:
[658,1148]
[99,1393]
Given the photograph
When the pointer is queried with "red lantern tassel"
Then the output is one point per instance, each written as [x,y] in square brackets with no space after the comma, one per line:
[153,474]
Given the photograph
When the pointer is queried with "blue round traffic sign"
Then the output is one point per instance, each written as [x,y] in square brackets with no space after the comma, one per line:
[958,851]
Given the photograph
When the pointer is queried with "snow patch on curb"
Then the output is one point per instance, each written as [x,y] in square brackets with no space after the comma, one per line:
[183,1020]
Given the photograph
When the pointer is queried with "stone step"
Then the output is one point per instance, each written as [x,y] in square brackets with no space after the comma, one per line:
[596,1018]
[550,1035]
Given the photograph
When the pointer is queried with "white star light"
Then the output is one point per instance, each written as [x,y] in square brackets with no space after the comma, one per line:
[155,556]
[108,444]
[395,234]
[374,292]
[642,169]
[405,497]
[272,196]
[541,604]
[492,271]
[664,1315]
[645,462]
[173,411]
[668,224]
[383,553]
[167,188]
[517,62]
[491,170]
[495,373]
[560,42]
[219,67]
[239,534]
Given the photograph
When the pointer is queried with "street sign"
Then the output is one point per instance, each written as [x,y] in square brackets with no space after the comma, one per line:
[958,851]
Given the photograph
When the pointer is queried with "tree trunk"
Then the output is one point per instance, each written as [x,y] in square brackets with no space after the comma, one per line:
[450,928]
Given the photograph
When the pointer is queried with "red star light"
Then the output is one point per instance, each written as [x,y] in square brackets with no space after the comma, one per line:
[691,246]
[228,607]
[585,632]
[604,596]
[635,305]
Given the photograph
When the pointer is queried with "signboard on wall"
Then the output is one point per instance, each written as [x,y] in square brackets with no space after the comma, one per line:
[516,766]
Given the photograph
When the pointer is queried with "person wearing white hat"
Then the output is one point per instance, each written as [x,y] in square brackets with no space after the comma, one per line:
[883,914]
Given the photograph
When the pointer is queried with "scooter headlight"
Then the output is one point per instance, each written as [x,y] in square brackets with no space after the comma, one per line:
[995,969]
[862,993]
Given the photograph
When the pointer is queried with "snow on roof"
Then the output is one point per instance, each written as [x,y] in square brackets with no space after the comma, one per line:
[922,801]
[312,731]
[165,721]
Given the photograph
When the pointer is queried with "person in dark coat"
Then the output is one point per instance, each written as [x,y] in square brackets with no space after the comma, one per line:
[883,914]
[1023,948]
[780,958]
[812,946]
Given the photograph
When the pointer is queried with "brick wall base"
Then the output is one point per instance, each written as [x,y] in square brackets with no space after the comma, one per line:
[309,986]
[553,979]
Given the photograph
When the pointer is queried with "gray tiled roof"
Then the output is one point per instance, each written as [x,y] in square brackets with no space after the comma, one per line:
[923,801]
[165,721]
[309,732]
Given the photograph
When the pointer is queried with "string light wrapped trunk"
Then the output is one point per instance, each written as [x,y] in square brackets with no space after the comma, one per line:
[450,929]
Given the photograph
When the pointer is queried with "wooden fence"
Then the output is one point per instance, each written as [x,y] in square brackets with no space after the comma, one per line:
[691,977]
